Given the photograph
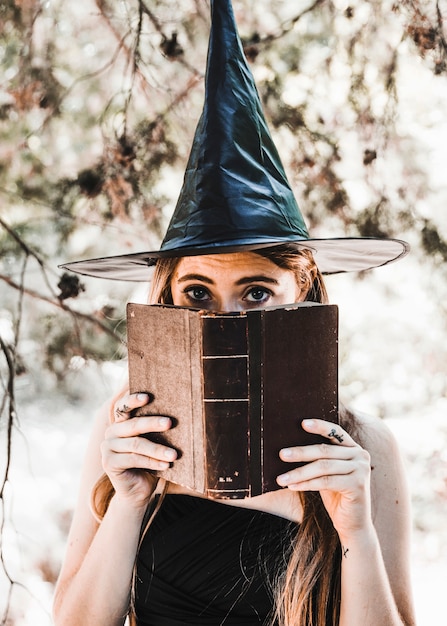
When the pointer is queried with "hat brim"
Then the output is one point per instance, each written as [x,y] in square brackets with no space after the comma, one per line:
[332,256]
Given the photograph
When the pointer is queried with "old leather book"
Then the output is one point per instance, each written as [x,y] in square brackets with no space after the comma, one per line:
[237,386]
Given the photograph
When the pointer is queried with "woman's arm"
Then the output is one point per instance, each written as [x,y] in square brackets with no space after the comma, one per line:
[95,580]
[365,495]
[391,511]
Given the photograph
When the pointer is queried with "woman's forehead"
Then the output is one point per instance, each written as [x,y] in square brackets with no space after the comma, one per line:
[237,262]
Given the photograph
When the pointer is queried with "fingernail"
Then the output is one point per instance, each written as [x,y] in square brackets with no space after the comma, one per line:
[286,452]
[283,479]
[308,423]
[164,421]
[170,454]
[142,397]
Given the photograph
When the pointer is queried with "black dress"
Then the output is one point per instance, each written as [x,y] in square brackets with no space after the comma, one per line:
[206,563]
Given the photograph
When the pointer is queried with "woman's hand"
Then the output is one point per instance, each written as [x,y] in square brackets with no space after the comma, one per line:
[339,470]
[127,456]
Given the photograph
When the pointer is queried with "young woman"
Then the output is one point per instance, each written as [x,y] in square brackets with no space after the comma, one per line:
[329,548]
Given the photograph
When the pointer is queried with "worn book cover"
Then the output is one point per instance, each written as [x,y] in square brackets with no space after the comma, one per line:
[237,386]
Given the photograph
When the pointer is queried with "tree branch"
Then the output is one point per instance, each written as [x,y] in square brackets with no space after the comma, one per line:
[61,305]
[289,24]
[29,252]
[9,356]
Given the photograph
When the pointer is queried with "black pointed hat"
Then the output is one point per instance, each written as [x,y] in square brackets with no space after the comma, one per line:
[235,195]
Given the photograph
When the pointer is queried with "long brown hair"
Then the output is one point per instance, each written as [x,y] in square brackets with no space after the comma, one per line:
[307,592]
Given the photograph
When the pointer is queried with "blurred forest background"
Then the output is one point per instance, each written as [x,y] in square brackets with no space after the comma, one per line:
[98,105]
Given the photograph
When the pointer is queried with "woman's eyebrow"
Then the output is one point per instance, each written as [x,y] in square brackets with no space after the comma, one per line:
[260,278]
[203,279]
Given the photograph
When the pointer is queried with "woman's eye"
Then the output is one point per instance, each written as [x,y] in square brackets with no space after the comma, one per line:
[199,294]
[258,294]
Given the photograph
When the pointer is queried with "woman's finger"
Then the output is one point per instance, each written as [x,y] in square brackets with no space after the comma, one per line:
[337,465]
[333,432]
[124,448]
[141,446]
[128,403]
[339,444]
[334,483]
[307,454]
[115,464]
[135,426]
[330,473]
[327,471]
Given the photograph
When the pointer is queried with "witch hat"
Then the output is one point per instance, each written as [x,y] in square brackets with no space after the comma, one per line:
[235,195]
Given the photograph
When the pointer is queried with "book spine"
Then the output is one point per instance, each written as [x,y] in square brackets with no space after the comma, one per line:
[256,404]
[226,404]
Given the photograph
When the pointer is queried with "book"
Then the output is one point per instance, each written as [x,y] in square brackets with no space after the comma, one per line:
[236,385]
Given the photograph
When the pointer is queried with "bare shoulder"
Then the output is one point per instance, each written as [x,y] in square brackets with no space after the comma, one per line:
[388,478]
[378,439]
